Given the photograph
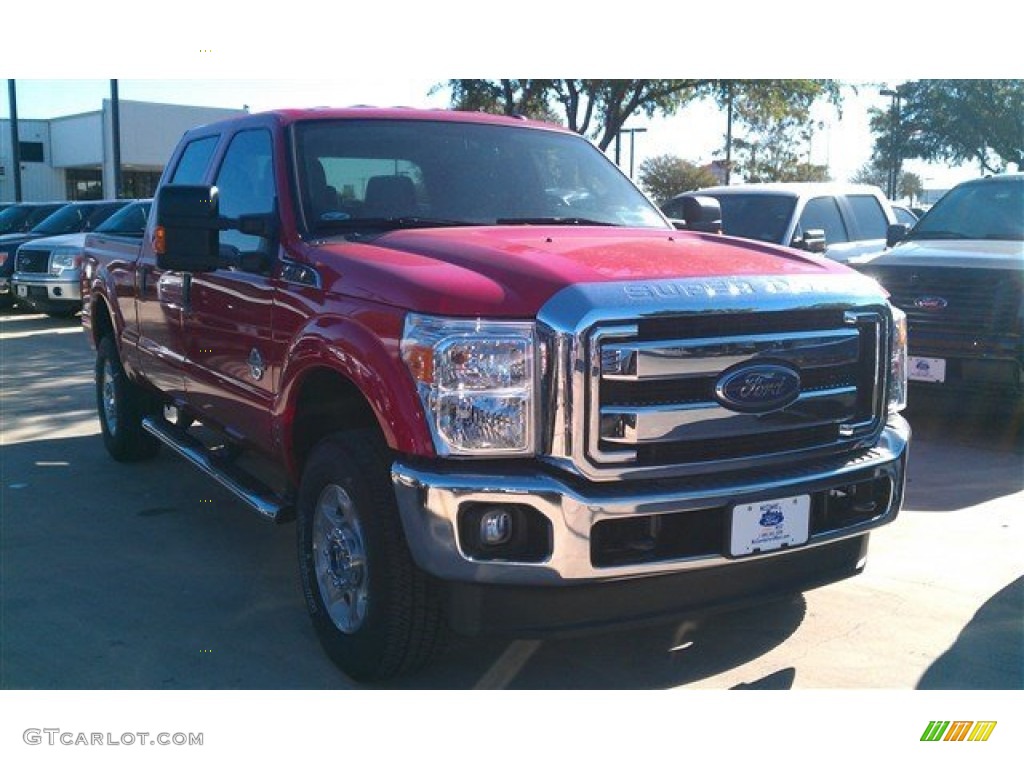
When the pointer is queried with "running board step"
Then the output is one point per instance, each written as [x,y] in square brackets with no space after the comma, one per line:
[247,488]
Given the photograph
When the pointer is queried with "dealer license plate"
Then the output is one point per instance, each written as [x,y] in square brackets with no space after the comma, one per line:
[931,369]
[768,525]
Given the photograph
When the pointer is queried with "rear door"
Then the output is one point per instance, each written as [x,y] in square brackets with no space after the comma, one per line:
[868,222]
[161,295]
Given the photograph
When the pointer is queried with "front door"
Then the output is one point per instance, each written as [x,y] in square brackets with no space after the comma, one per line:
[232,357]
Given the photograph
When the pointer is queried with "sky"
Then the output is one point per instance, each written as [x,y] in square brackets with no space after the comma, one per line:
[696,133]
[308,53]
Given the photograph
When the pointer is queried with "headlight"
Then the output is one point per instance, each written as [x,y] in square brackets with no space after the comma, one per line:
[476,381]
[898,362]
[64,259]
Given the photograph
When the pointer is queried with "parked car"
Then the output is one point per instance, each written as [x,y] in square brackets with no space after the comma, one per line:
[958,274]
[80,216]
[47,271]
[839,220]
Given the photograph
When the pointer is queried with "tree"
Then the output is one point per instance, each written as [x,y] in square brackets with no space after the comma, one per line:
[908,185]
[773,154]
[773,118]
[665,176]
[597,109]
[955,121]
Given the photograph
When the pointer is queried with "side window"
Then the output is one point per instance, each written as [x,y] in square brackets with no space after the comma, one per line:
[823,213]
[245,183]
[194,160]
[868,216]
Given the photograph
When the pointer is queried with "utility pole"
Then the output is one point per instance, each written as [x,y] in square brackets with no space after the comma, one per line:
[728,132]
[115,137]
[12,97]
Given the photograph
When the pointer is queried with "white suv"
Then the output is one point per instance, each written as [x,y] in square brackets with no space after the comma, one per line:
[839,220]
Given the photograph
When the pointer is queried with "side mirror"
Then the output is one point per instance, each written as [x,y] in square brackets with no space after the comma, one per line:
[187,237]
[702,214]
[813,241]
[895,233]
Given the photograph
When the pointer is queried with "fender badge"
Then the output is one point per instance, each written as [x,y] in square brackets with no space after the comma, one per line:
[256,366]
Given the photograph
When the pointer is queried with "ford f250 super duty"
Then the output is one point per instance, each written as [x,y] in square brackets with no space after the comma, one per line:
[496,389]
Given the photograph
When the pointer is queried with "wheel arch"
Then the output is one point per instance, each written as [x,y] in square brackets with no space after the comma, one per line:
[343,382]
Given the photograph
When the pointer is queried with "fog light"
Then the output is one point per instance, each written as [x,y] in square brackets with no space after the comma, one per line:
[496,527]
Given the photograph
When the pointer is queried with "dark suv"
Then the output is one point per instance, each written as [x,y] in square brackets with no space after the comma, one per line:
[63,220]
[958,274]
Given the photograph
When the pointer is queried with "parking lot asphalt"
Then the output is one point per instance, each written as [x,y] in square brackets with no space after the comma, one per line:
[150,576]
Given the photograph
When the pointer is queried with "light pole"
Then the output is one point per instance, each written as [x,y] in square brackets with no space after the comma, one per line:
[728,134]
[631,132]
[894,140]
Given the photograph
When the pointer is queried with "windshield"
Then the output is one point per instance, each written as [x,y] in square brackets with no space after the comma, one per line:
[757,217]
[74,218]
[130,220]
[988,210]
[21,218]
[382,174]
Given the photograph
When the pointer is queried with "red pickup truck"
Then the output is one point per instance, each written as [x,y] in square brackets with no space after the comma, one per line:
[499,391]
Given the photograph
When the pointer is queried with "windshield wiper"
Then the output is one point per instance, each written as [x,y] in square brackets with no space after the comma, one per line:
[561,221]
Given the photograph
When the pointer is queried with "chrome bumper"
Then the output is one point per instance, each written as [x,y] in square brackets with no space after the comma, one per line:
[58,289]
[429,502]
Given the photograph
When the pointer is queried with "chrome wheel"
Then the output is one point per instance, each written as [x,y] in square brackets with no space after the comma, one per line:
[108,391]
[339,559]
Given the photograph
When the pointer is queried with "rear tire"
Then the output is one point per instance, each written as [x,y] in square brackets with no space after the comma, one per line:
[121,406]
[377,615]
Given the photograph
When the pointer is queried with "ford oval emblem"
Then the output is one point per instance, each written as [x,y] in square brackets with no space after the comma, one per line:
[931,303]
[757,387]
[772,516]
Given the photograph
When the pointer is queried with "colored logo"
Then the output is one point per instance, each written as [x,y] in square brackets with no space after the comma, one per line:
[772,516]
[931,303]
[758,388]
[958,730]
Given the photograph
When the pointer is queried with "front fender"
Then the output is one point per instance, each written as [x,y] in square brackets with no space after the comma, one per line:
[369,359]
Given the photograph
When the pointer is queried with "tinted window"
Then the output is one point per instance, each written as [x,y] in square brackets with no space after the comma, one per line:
[194,160]
[130,220]
[823,213]
[30,151]
[869,216]
[757,217]
[76,217]
[903,216]
[245,183]
[14,219]
[990,210]
[377,171]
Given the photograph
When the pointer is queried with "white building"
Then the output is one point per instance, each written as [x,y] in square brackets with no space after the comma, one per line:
[72,158]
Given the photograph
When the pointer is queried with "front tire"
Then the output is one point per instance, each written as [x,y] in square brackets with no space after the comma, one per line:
[377,615]
[121,406]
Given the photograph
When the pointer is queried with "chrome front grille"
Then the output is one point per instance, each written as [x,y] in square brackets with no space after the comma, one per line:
[33,261]
[653,401]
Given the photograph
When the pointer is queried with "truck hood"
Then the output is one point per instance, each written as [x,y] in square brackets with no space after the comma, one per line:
[980,254]
[75,239]
[513,271]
